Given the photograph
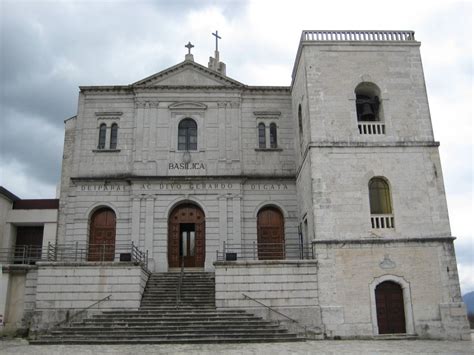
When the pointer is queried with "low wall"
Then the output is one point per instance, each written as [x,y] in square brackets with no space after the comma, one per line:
[288,286]
[64,288]
[17,291]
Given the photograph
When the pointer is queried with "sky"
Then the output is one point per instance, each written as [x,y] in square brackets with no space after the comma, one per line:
[49,48]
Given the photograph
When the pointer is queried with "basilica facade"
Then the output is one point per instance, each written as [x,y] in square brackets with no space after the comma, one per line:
[324,199]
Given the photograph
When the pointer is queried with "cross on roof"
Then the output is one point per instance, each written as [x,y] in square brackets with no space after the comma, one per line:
[189,46]
[217,39]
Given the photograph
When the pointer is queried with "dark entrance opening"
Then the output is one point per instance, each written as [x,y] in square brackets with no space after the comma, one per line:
[390,308]
[28,246]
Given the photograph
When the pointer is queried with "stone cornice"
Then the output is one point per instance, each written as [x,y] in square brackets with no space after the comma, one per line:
[383,240]
[131,178]
[358,144]
[128,89]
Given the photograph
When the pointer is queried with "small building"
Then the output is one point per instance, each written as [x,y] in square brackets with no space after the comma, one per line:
[27,227]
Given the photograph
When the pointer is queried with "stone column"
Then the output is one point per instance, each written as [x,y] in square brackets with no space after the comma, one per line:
[135,238]
[237,221]
[221,110]
[222,220]
[149,219]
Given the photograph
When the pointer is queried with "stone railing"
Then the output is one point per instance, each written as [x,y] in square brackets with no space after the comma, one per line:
[382,221]
[371,127]
[358,36]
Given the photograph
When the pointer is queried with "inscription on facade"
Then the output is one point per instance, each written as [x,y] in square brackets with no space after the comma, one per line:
[103,187]
[177,186]
[186,166]
[212,186]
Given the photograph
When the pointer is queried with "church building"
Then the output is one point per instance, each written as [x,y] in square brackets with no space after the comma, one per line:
[323,200]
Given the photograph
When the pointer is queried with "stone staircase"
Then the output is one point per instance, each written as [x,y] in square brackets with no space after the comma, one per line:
[158,320]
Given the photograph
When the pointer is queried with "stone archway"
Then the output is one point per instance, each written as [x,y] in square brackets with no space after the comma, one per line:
[186,236]
[102,235]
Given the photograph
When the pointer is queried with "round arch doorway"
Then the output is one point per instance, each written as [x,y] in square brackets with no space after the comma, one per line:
[186,236]
[102,235]
[390,308]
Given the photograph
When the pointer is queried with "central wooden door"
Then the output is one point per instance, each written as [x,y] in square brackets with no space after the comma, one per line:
[270,234]
[102,236]
[390,308]
[186,236]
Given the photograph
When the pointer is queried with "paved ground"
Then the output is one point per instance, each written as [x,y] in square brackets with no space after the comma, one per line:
[19,346]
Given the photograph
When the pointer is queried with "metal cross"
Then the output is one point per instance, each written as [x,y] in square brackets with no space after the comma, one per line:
[217,39]
[189,46]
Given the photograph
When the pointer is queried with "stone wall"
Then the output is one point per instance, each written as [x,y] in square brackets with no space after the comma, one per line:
[64,288]
[289,287]
[143,206]
[17,298]
[332,73]
[340,178]
[227,139]
[349,272]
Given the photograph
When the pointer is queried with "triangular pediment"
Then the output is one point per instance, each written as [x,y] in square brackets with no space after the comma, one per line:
[187,73]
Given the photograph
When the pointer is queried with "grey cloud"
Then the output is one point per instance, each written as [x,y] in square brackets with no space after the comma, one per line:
[32,141]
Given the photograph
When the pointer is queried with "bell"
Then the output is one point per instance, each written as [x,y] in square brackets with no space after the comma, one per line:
[367,112]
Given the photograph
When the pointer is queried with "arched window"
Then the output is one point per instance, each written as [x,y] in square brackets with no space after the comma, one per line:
[273,136]
[262,142]
[113,136]
[367,102]
[380,204]
[102,133]
[187,135]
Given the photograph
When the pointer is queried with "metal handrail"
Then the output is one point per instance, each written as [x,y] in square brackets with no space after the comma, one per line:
[75,251]
[22,254]
[266,251]
[69,318]
[277,312]
[180,282]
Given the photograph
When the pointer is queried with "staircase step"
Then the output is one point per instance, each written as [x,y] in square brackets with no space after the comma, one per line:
[160,321]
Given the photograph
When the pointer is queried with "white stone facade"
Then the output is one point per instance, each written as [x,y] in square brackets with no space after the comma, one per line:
[316,173]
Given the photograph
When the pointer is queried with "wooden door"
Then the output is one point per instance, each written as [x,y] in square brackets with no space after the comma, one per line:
[390,308]
[102,236]
[186,236]
[270,234]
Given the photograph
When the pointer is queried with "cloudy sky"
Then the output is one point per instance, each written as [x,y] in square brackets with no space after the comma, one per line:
[49,48]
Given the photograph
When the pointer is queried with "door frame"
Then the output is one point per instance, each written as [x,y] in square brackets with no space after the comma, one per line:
[202,228]
[405,285]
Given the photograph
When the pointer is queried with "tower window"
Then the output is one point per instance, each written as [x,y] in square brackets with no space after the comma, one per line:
[369,109]
[367,102]
[380,204]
